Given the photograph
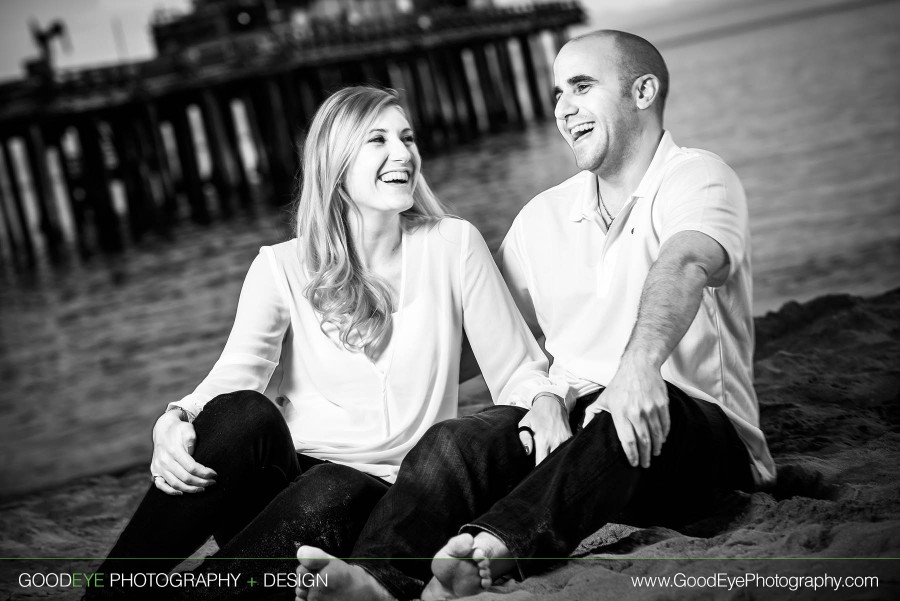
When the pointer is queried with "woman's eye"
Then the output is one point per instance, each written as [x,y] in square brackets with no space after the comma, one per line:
[409,139]
[377,139]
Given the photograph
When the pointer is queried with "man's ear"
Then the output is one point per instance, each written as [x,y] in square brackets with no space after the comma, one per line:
[645,89]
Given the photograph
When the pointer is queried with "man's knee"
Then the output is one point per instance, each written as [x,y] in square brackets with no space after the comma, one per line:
[473,431]
[602,438]
[332,487]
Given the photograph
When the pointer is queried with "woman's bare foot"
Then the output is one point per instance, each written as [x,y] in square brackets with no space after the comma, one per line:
[466,566]
[322,577]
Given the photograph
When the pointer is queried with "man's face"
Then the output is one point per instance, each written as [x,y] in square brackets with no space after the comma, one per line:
[593,113]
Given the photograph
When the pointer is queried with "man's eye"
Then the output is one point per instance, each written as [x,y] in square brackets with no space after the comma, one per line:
[581,88]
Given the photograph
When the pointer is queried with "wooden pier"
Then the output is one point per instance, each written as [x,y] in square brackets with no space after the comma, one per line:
[95,159]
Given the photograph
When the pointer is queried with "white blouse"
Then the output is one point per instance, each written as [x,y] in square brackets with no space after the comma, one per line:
[343,407]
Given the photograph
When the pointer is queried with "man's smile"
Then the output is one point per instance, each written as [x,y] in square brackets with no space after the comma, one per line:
[580,130]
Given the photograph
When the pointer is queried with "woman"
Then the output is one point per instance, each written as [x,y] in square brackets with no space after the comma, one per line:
[354,327]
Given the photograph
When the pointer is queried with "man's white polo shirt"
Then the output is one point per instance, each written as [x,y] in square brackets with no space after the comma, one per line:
[580,287]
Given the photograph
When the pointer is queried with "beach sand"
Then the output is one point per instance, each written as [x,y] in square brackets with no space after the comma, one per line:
[828,378]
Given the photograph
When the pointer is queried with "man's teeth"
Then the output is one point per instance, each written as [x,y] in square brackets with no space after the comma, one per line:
[580,130]
[395,177]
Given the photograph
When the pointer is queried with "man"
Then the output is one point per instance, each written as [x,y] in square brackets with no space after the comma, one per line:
[637,273]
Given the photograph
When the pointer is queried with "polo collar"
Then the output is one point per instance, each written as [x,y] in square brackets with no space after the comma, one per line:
[587,203]
[653,177]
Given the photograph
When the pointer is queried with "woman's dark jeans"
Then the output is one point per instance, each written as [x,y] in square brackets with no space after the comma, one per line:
[268,499]
[473,472]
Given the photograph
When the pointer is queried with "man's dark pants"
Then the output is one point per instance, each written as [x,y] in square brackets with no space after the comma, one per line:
[473,472]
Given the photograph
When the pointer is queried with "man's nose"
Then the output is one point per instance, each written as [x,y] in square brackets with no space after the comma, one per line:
[564,108]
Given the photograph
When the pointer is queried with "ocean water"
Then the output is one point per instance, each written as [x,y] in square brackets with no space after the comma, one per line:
[805,110]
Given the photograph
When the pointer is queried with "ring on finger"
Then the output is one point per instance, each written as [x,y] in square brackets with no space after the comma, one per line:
[526,429]
[153,477]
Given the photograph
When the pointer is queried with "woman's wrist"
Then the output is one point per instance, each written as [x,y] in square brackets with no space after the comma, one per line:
[556,399]
[182,413]
[170,417]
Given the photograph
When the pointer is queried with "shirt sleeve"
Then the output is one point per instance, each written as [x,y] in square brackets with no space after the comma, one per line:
[253,349]
[513,365]
[514,269]
[705,195]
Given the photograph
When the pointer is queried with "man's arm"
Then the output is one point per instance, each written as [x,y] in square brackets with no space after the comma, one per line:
[636,397]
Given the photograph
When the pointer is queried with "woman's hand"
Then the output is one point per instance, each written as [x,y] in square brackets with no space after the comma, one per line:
[173,445]
[549,422]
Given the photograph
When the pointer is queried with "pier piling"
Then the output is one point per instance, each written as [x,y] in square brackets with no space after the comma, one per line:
[135,146]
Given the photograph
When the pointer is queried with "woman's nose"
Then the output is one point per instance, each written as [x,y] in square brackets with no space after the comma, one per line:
[399,151]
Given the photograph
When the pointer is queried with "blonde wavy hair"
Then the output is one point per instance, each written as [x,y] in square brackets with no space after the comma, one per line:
[341,289]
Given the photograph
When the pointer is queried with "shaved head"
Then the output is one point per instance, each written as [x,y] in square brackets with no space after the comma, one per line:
[635,57]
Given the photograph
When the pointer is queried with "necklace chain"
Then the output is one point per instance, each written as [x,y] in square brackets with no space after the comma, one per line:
[605,214]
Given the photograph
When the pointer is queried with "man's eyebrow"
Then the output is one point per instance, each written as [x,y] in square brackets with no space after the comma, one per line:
[573,81]
[576,79]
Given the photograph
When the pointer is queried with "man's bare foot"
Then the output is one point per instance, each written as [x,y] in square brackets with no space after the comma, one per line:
[322,577]
[456,571]
[467,565]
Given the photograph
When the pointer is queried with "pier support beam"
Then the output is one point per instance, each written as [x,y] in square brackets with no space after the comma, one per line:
[538,95]
[190,169]
[224,165]
[134,170]
[413,93]
[43,191]
[444,98]
[18,203]
[154,152]
[256,134]
[99,199]
[429,101]
[452,63]
[496,112]
[74,192]
[232,135]
[13,224]
[278,144]
[508,83]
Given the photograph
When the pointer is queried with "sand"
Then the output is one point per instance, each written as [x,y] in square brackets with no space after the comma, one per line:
[828,375]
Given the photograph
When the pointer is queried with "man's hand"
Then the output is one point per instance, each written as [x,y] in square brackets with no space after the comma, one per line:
[638,401]
[173,445]
[549,422]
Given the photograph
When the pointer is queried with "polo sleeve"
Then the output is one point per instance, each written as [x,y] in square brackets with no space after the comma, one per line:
[253,349]
[513,365]
[704,194]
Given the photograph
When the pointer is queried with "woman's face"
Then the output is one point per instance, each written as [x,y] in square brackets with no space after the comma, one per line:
[383,174]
